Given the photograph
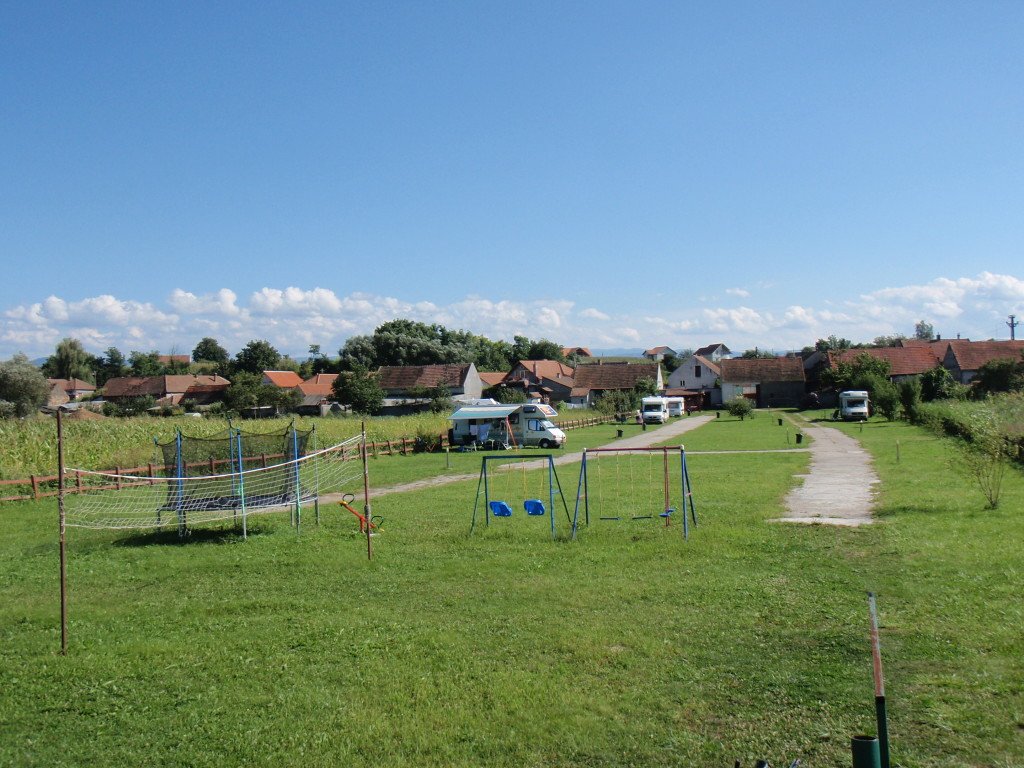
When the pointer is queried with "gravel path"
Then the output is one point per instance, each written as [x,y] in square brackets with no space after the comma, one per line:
[837,490]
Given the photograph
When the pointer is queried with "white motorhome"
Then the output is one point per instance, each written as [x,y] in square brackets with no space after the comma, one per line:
[676,406]
[510,425]
[654,410]
[853,405]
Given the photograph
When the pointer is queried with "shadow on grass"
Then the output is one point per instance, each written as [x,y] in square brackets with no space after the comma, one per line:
[194,536]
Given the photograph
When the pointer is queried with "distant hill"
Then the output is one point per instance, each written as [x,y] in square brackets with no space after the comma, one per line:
[621,352]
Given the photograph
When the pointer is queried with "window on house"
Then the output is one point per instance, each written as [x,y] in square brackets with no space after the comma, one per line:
[696,371]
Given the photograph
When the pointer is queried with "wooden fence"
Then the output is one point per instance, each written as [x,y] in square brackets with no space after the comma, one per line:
[43,486]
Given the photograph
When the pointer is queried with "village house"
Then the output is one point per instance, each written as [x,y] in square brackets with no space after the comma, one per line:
[698,374]
[282,379]
[904,362]
[714,352]
[318,395]
[167,390]
[964,358]
[657,354]
[405,385]
[576,352]
[68,390]
[548,381]
[593,381]
[769,382]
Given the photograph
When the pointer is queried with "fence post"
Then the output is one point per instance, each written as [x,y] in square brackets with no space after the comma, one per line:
[403,445]
[78,480]
[117,474]
[35,487]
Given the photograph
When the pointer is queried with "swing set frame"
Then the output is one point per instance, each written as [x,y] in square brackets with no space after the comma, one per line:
[583,488]
[542,461]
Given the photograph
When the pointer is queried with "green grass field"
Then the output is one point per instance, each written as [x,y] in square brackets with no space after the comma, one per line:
[628,646]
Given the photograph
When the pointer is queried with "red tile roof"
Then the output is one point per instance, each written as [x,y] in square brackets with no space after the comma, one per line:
[159,386]
[283,379]
[545,369]
[578,351]
[743,370]
[613,376]
[72,385]
[492,379]
[903,361]
[971,355]
[322,384]
[392,377]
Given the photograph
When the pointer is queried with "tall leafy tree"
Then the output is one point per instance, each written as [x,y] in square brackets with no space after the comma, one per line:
[257,356]
[208,350]
[359,389]
[1001,375]
[145,364]
[70,361]
[863,372]
[23,387]
[924,331]
[112,365]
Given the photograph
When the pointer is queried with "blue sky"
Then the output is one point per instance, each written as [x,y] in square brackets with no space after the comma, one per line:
[612,175]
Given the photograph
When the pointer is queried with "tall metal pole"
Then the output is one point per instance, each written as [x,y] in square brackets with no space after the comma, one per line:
[63,537]
[664,472]
[1013,327]
[366,496]
[876,663]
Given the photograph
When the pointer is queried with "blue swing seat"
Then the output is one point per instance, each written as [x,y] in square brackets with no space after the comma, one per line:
[668,512]
[534,507]
[501,509]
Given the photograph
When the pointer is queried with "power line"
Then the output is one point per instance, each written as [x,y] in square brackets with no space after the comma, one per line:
[1012,322]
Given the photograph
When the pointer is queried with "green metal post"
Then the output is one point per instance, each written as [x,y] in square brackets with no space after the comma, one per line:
[865,752]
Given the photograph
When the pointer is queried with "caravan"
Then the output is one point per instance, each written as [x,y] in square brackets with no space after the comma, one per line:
[676,406]
[506,426]
[654,410]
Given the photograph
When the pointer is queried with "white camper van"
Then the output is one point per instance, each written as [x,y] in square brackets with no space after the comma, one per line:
[507,425]
[654,410]
[676,406]
[853,405]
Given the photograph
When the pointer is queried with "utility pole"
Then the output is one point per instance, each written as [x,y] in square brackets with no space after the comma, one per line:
[1013,325]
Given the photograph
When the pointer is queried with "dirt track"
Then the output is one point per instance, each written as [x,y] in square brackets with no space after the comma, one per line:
[837,490]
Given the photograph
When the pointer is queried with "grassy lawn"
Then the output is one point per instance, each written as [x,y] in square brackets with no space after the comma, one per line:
[762,432]
[626,647]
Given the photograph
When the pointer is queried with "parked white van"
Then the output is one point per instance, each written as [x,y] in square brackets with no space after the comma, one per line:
[676,406]
[654,410]
[853,405]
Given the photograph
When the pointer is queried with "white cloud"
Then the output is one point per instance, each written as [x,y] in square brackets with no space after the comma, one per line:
[740,292]
[223,302]
[292,318]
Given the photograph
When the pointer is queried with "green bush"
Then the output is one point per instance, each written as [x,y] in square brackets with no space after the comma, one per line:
[740,407]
